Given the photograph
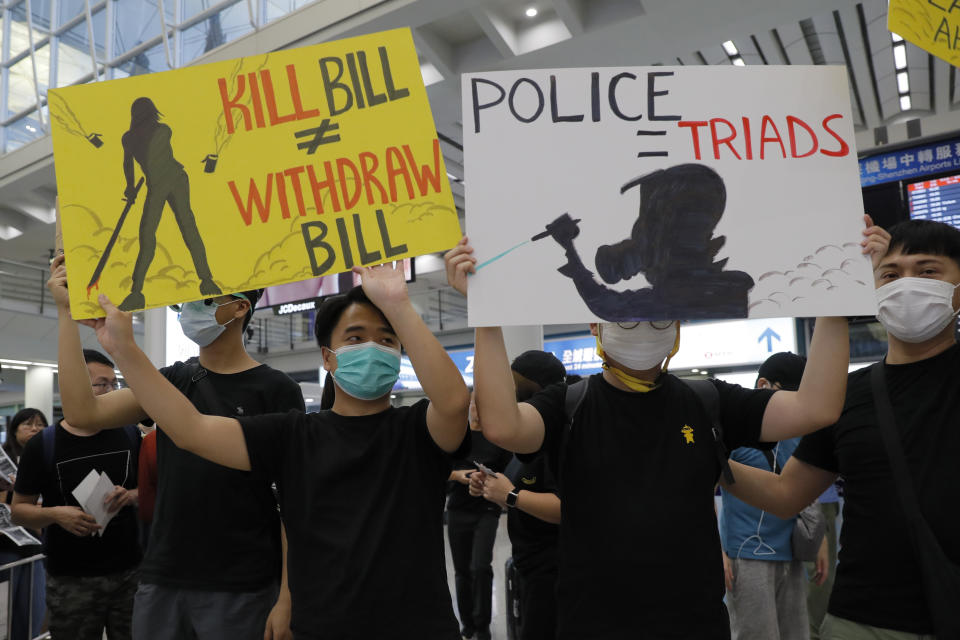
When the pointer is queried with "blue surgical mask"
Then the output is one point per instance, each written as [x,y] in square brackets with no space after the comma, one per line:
[367,371]
[199,321]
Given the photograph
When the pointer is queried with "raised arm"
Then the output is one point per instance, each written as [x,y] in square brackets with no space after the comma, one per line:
[784,494]
[441,380]
[215,438]
[513,426]
[81,408]
[818,401]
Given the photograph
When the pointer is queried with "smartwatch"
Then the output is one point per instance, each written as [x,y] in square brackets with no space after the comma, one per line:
[512,498]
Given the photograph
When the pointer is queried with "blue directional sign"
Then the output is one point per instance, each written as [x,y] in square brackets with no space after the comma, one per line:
[769,335]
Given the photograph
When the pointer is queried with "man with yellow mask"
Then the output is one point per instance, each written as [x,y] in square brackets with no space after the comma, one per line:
[637,465]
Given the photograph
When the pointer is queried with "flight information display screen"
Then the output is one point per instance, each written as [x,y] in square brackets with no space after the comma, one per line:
[937,199]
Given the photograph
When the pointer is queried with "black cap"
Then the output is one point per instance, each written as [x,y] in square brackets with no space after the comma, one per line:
[539,366]
[784,368]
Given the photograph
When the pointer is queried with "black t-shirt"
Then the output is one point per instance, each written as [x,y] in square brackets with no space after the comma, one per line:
[486,453]
[362,499]
[534,540]
[878,578]
[214,528]
[111,451]
[639,547]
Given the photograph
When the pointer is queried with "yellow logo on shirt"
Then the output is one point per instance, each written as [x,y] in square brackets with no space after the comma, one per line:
[687,432]
[532,480]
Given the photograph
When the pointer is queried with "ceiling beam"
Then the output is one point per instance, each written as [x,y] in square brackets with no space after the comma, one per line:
[498,31]
[436,51]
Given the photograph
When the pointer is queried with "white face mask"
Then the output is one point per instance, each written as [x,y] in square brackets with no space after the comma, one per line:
[199,321]
[640,348]
[915,309]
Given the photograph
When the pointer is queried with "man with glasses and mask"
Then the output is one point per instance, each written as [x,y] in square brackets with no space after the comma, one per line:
[91,572]
[637,466]
[878,592]
[212,569]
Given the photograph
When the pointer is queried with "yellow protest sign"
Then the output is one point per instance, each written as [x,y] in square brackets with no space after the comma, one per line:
[248,173]
[932,25]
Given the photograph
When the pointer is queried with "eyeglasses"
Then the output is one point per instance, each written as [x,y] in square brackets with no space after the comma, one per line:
[33,424]
[114,384]
[656,324]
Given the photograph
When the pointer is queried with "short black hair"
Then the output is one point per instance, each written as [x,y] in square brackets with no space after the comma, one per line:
[925,236]
[92,355]
[253,296]
[330,310]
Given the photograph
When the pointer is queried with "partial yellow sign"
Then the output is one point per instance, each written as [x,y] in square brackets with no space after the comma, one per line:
[932,25]
[248,173]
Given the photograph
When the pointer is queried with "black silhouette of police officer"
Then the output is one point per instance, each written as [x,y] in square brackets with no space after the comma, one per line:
[671,244]
[148,142]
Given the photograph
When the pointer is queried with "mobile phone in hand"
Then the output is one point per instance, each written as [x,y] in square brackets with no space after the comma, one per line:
[487,470]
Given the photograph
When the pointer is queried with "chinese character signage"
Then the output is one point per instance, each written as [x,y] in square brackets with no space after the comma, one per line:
[910,163]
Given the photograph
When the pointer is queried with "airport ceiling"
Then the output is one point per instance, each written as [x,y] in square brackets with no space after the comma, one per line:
[456,36]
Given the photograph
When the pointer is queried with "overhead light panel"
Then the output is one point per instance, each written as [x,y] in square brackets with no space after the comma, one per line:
[431,75]
[738,62]
[895,37]
[903,82]
[905,103]
[730,48]
[531,12]
[900,57]
[15,367]
[9,232]
[5,361]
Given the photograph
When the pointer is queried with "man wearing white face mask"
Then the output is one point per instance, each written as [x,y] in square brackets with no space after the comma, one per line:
[213,568]
[880,591]
[637,465]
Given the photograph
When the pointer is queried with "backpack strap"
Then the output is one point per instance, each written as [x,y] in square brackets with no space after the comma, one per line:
[49,440]
[133,435]
[710,400]
[573,399]
[198,377]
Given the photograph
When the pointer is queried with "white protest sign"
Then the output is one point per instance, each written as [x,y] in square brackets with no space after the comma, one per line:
[662,193]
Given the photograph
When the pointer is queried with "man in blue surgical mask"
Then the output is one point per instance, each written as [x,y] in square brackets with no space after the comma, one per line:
[362,484]
[880,591]
[213,568]
[636,463]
